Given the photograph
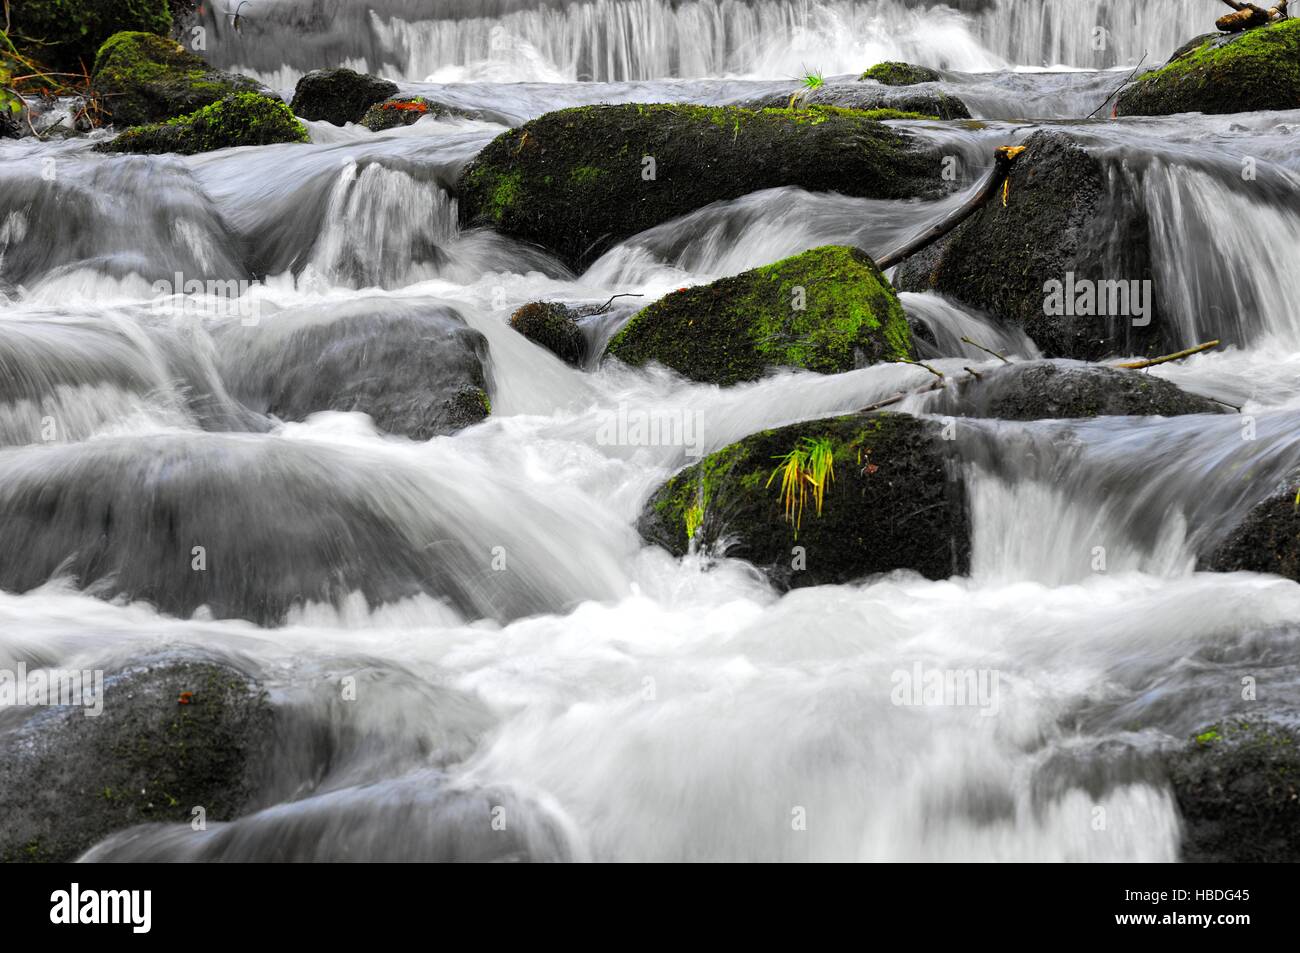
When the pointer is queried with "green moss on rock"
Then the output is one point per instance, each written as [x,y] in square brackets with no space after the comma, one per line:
[891,504]
[1255,70]
[828,310]
[1237,785]
[579,180]
[554,327]
[900,74]
[143,78]
[241,119]
[65,34]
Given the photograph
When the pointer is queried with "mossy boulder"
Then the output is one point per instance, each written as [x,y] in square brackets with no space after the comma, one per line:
[900,74]
[828,310]
[1058,390]
[65,34]
[174,734]
[875,102]
[143,78]
[1258,69]
[392,113]
[553,326]
[1060,223]
[339,96]
[890,502]
[1267,540]
[241,119]
[579,180]
[418,371]
[1237,785]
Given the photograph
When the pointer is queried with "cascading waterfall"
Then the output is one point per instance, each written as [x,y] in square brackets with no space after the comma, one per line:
[514,641]
[622,40]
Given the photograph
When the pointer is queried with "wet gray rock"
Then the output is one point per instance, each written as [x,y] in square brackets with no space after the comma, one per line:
[154,754]
[1049,390]
[927,100]
[417,370]
[1268,538]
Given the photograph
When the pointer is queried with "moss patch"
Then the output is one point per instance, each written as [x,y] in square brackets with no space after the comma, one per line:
[144,78]
[900,74]
[242,119]
[1255,70]
[828,310]
[578,180]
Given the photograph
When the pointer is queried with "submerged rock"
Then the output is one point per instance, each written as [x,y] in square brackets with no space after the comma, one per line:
[553,326]
[173,734]
[143,78]
[417,371]
[1237,785]
[828,310]
[71,32]
[1059,236]
[241,119]
[579,180]
[1242,72]
[1267,540]
[1053,390]
[890,502]
[893,73]
[339,96]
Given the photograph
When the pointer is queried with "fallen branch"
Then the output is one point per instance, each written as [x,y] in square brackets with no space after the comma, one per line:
[1140,365]
[1247,16]
[1003,159]
[1128,79]
[606,306]
[986,350]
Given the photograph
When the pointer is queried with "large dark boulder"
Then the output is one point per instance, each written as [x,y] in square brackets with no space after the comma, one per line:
[827,310]
[1060,230]
[1258,69]
[65,34]
[891,503]
[1055,390]
[1267,540]
[1237,785]
[579,180]
[240,119]
[172,735]
[143,78]
[418,371]
[339,96]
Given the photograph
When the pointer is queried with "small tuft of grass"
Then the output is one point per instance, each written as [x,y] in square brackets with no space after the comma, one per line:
[805,470]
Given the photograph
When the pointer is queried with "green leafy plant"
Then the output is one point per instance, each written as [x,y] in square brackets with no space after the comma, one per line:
[805,470]
[810,81]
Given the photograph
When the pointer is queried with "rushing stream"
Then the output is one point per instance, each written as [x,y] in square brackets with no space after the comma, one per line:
[620,703]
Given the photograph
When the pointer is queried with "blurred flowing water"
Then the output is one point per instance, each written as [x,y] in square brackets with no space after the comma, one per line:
[619,703]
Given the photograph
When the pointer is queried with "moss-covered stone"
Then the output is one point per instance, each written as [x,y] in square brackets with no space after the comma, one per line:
[890,504]
[1243,72]
[65,34]
[1059,390]
[900,74]
[828,310]
[1059,219]
[1267,540]
[241,119]
[173,735]
[553,326]
[579,180]
[1237,785]
[338,96]
[143,78]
